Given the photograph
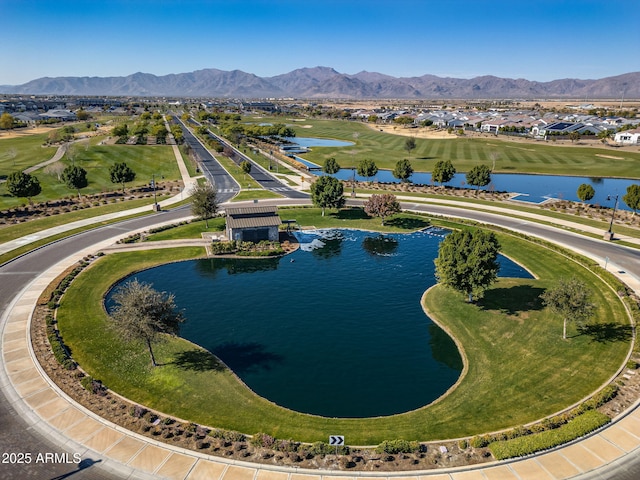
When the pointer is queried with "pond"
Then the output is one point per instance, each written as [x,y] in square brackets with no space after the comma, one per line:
[334,329]
[532,188]
[318,142]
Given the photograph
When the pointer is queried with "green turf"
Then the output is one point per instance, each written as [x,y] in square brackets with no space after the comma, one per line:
[386,149]
[96,160]
[519,368]
[17,154]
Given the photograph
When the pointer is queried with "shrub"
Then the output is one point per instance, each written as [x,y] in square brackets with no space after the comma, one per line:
[479,441]
[398,446]
[92,385]
[227,435]
[463,444]
[263,440]
[138,411]
[579,426]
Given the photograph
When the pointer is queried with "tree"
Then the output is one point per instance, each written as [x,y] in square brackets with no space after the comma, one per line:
[23,185]
[573,136]
[571,299]
[479,176]
[403,170]
[331,166]
[403,120]
[468,261]
[55,169]
[326,192]
[245,166]
[75,178]
[141,313]
[382,206]
[82,115]
[585,192]
[632,197]
[410,144]
[121,173]
[367,168]
[204,201]
[121,130]
[443,171]
[6,121]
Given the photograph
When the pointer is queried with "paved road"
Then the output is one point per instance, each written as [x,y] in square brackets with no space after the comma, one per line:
[259,174]
[16,436]
[226,186]
[626,259]
[213,170]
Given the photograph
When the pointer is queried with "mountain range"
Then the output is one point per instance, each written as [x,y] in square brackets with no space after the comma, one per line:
[325,82]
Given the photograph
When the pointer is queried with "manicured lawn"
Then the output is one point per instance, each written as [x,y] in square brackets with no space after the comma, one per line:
[28,150]
[190,230]
[519,368]
[96,160]
[511,157]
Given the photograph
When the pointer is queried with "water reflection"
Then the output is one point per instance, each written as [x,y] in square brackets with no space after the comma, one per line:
[380,245]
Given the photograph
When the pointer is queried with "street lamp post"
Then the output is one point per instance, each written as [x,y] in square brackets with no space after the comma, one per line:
[608,235]
[156,207]
[353,182]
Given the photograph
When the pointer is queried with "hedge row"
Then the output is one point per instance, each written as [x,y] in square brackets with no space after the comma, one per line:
[576,428]
[261,249]
[400,446]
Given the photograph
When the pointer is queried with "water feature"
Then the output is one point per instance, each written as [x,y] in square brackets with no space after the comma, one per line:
[334,329]
[532,188]
[318,142]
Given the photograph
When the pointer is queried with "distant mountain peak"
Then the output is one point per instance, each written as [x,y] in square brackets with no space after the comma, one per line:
[326,82]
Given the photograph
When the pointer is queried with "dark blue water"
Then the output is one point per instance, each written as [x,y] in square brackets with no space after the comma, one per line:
[334,329]
[534,188]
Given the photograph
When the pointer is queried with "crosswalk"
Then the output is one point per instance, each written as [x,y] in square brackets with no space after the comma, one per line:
[273,189]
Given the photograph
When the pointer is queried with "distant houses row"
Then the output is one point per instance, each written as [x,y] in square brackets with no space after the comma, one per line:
[516,122]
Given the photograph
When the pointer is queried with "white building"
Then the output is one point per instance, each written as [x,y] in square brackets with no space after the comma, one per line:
[628,137]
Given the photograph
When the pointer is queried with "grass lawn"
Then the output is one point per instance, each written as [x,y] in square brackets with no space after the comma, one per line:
[519,368]
[96,160]
[190,230]
[465,152]
[17,154]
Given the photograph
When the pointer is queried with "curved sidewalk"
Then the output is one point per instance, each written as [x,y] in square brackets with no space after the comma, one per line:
[130,455]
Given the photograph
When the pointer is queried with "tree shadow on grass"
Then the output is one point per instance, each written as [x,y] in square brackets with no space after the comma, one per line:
[245,357]
[407,223]
[353,213]
[198,360]
[606,332]
[512,300]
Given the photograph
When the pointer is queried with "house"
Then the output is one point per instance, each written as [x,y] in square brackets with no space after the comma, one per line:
[559,128]
[253,224]
[628,137]
[59,114]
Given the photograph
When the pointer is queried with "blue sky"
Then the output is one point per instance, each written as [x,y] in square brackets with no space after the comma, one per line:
[537,40]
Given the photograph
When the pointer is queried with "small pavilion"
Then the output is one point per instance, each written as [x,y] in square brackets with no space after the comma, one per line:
[253,224]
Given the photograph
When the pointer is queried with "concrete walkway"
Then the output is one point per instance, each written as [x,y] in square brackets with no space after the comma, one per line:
[130,455]
[187,180]
[46,408]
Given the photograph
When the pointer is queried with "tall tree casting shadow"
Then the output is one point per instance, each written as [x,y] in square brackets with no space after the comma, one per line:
[511,300]
[606,332]
[407,223]
[244,357]
[198,360]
